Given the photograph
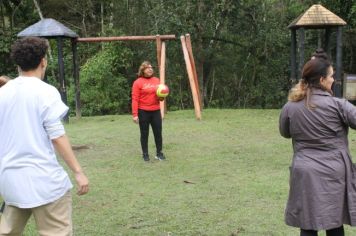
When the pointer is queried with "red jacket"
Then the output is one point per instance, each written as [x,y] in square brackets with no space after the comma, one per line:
[144,95]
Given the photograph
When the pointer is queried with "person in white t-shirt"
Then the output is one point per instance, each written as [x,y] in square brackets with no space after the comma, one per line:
[3,80]
[32,182]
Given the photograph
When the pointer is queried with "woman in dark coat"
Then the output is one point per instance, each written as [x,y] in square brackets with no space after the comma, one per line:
[322,192]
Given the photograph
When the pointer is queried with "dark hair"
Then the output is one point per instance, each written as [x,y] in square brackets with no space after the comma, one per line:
[321,54]
[313,70]
[28,52]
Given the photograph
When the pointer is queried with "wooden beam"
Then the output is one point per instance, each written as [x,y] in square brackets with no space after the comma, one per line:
[327,47]
[159,48]
[162,77]
[191,79]
[301,51]
[337,83]
[293,61]
[126,38]
[192,61]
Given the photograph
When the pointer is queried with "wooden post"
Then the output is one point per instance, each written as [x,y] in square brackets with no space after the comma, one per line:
[301,47]
[159,48]
[327,42]
[162,75]
[293,63]
[191,79]
[301,51]
[191,57]
[319,44]
[76,79]
[62,88]
[337,84]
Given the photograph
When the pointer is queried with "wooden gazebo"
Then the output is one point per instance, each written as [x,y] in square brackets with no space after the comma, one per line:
[317,17]
[50,28]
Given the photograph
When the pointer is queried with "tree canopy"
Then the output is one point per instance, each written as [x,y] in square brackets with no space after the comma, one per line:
[241,48]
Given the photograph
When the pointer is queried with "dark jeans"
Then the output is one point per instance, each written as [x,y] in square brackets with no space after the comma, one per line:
[331,232]
[153,118]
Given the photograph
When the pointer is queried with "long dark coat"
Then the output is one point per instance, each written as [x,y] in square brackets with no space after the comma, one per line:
[322,191]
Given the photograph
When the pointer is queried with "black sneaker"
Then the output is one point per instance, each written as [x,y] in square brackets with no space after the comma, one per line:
[146,157]
[160,156]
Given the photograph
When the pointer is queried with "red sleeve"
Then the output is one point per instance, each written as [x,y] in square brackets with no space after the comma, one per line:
[135,96]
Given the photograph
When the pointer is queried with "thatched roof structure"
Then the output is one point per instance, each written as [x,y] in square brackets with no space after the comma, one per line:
[317,16]
[48,28]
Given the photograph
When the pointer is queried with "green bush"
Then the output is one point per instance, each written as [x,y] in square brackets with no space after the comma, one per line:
[104,88]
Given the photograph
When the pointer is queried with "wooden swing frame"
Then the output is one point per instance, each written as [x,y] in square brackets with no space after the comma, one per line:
[161,60]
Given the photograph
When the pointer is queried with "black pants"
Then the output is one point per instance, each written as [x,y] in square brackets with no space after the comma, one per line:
[153,118]
[331,232]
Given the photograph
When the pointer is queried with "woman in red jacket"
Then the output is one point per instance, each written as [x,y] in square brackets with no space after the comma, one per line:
[146,109]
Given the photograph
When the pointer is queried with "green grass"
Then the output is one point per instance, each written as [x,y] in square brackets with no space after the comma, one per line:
[225,175]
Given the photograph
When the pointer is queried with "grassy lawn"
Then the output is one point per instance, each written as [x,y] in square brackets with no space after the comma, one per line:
[224,175]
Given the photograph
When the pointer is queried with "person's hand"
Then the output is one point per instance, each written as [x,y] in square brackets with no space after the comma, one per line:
[135,119]
[161,99]
[82,182]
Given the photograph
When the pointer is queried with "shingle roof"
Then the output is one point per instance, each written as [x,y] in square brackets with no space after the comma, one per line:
[47,28]
[317,16]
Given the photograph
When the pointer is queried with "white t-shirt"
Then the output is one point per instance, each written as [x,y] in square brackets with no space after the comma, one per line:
[30,174]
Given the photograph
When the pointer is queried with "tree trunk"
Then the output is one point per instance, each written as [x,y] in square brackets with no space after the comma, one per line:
[38,9]
[49,46]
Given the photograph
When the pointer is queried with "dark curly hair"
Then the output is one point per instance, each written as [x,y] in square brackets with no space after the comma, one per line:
[28,52]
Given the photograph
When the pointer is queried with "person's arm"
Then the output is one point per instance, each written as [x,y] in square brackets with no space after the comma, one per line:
[64,149]
[134,103]
[284,123]
[348,112]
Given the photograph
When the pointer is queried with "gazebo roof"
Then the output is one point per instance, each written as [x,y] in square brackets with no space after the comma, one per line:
[317,16]
[48,28]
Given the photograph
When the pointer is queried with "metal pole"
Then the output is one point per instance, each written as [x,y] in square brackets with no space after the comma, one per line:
[62,88]
[76,79]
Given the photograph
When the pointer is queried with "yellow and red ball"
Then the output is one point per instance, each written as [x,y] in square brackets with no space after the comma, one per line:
[162,91]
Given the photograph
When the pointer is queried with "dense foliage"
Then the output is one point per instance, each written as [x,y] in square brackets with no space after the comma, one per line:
[104,85]
[241,48]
